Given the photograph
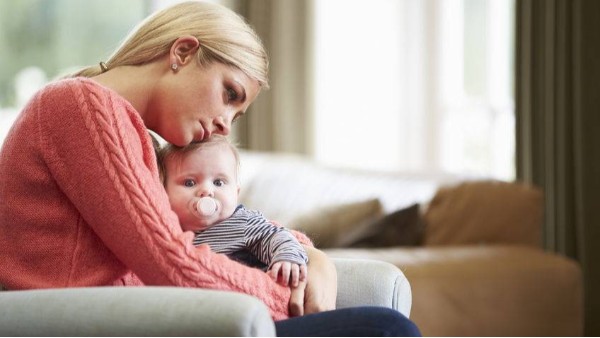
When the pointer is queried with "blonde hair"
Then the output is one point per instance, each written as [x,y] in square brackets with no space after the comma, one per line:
[223,34]
[173,152]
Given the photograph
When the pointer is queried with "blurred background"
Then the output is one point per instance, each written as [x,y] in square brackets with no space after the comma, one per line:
[503,89]
[375,84]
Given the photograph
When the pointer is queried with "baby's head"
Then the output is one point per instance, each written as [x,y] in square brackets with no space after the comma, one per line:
[205,169]
[169,152]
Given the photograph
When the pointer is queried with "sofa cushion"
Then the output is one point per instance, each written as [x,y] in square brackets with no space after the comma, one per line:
[341,225]
[487,290]
[404,227]
[484,212]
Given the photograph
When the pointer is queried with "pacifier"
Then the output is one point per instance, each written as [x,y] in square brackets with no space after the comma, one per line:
[206,206]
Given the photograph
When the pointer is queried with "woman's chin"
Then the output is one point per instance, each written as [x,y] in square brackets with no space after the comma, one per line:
[179,140]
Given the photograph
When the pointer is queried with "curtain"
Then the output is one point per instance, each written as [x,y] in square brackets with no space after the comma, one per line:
[280,118]
[558,142]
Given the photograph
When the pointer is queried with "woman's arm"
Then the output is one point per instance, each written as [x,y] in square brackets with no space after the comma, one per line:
[320,292]
[101,157]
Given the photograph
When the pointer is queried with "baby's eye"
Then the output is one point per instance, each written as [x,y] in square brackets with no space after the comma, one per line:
[189,183]
[219,182]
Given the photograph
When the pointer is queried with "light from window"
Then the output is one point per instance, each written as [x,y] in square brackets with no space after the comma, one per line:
[415,85]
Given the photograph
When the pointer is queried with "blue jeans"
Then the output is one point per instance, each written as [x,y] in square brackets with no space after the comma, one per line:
[365,321]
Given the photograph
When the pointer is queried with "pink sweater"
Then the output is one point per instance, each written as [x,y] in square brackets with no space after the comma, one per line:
[81,204]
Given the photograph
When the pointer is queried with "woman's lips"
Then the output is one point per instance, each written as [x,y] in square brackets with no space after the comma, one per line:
[205,133]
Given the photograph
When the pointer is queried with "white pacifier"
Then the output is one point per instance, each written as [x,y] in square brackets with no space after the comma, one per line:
[206,206]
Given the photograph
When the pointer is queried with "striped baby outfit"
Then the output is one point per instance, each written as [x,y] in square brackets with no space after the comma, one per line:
[249,230]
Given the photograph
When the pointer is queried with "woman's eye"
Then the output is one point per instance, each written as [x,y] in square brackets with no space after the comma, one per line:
[219,183]
[231,94]
[189,183]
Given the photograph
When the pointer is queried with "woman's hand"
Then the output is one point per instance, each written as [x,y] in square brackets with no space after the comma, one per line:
[319,294]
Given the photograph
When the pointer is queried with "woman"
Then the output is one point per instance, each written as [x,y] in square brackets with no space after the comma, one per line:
[82,201]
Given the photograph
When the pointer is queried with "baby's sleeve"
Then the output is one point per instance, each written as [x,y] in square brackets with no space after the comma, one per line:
[272,243]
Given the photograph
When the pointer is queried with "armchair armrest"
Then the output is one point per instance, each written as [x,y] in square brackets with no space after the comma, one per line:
[131,311]
[372,282]
[171,311]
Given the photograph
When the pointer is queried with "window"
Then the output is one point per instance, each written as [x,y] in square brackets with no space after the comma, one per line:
[40,40]
[416,85]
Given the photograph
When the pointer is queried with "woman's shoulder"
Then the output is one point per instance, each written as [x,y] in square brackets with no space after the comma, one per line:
[69,86]
[82,93]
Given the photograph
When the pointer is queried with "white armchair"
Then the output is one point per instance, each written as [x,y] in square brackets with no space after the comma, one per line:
[170,311]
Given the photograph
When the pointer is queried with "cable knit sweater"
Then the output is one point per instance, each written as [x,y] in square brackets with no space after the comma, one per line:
[82,204]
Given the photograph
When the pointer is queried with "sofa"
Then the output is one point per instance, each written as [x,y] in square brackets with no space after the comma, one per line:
[469,246]
[172,311]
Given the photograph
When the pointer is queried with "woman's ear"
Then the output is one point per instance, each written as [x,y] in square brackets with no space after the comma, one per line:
[183,51]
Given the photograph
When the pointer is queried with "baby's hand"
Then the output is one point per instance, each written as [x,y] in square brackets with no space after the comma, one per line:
[288,273]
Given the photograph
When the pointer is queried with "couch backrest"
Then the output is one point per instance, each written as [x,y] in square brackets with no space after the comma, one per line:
[456,210]
[285,186]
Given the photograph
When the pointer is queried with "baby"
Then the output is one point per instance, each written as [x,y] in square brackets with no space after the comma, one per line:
[202,183]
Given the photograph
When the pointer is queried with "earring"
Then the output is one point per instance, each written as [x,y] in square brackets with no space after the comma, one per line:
[174,66]
[103,67]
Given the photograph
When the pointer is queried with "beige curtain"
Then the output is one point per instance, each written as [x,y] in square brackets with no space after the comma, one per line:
[558,121]
[280,119]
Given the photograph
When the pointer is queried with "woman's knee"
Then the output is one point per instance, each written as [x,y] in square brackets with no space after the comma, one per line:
[356,321]
[396,324]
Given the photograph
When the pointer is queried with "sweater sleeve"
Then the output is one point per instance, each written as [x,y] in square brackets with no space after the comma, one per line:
[100,154]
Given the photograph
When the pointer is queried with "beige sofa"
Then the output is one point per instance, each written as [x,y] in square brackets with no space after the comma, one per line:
[469,248]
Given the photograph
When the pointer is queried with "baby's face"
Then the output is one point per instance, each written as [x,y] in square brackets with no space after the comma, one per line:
[207,171]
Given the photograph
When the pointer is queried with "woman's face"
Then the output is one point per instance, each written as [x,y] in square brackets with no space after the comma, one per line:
[193,102]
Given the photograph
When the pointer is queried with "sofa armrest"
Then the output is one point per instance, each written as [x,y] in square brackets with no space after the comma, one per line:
[132,311]
[372,282]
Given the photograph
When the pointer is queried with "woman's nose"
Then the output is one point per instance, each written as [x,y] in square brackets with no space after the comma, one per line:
[223,126]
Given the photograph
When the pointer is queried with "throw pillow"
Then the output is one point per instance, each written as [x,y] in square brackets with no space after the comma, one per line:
[485,212]
[340,225]
[404,227]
